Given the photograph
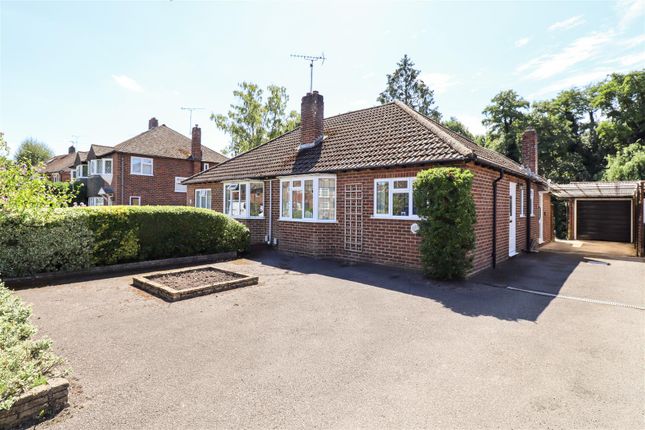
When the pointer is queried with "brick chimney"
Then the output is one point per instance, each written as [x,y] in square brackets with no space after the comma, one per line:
[529,150]
[196,144]
[71,150]
[152,123]
[311,115]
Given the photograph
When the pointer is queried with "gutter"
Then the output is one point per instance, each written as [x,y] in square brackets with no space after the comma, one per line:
[501,175]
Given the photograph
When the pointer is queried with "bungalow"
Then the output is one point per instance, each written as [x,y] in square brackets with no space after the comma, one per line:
[341,187]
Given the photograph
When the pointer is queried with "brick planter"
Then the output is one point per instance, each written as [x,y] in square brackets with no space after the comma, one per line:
[40,401]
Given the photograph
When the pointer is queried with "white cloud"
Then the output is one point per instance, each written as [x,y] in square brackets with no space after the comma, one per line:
[580,50]
[472,122]
[632,59]
[630,10]
[127,83]
[521,42]
[567,24]
[633,41]
[578,80]
[438,82]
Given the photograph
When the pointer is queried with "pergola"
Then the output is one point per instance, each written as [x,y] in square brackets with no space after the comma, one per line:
[595,189]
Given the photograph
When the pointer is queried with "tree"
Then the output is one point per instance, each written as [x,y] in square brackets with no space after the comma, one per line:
[252,120]
[627,165]
[505,117]
[459,127]
[33,151]
[404,85]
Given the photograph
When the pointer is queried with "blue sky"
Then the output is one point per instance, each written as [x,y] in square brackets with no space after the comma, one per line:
[99,71]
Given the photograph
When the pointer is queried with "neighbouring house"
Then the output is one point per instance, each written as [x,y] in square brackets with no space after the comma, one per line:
[341,187]
[147,169]
[608,211]
[60,168]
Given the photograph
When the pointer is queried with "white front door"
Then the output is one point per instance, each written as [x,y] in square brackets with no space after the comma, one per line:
[512,218]
[541,216]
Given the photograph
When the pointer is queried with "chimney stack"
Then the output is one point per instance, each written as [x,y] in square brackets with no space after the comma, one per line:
[311,116]
[153,123]
[196,144]
[529,150]
[71,150]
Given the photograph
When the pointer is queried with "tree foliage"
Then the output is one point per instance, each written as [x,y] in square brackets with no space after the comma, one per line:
[506,119]
[404,85]
[626,165]
[254,120]
[33,151]
[459,127]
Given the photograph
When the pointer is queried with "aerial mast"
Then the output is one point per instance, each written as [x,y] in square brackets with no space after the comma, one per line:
[311,59]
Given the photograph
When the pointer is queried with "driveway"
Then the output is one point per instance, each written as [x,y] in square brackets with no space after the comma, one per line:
[318,344]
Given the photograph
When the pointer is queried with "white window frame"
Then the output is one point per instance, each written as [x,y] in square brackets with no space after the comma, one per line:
[97,166]
[532,202]
[72,175]
[522,202]
[391,192]
[179,187]
[247,184]
[206,166]
[142,161]
[197,199]
[105,162]
[94,164]
[316,179]
[91,201]
[55,177]
[134,197]
[79,171]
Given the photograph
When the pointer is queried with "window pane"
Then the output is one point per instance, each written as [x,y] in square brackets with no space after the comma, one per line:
[286,201]
[401,185]
[400,204]
[107,167]
[84,170]
[257,199]
[136,165]
[326,199]
[309,198]
[146,167]
[227,200]
[382,198]
[296,184]
[242,202]
[296,205]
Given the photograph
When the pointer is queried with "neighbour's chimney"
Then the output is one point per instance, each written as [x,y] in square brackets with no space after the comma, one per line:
[311,116]
[196,143]
[152,123]
[529,150]
[71,150]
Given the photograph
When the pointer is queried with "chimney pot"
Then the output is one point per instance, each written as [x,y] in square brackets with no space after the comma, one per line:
[153,123]
[196,144]
[312,109]
[530,150]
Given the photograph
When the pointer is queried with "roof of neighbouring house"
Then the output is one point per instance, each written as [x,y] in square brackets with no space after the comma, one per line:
[389,135]
[595,189]
[60,162]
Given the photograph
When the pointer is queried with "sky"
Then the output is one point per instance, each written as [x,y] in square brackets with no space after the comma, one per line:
[95,72]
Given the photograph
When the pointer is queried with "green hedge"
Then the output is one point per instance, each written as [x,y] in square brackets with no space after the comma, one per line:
[444,201]
[77,238]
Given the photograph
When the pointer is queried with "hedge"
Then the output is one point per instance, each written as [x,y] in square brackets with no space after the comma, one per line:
[445,204]
[80,237]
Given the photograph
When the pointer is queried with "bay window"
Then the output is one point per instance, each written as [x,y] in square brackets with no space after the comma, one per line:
[102,166]
[81,171]
[244,199]
[309,198]
[203,198]
[394,198]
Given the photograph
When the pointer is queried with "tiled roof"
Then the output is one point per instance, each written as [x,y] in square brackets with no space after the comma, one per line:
[60,162]
[163,141]
[101,150]
[383,136]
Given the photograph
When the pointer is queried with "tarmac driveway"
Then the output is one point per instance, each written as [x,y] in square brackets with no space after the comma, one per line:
[322,345]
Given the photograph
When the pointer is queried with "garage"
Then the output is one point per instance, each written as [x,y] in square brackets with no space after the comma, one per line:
[609,220]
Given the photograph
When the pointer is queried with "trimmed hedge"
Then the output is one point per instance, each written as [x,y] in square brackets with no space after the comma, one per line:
[81,237]
[447,210]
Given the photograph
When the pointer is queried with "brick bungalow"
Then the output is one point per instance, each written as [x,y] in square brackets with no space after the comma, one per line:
[147,169]
[60,168]
[342,187]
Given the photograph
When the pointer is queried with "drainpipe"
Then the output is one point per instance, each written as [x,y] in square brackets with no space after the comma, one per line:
[501,175]
[529,205]
[270,209]
[122,158]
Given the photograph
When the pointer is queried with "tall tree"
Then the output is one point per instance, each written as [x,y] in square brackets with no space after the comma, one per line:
[627,165]
[459,127]
[33,151]
[404,85]
[252,120]
[505,117]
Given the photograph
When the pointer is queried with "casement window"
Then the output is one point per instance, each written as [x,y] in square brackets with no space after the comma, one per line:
[522,203]
[72,175]
[81,171]
[244,199]
[55,177]
[206,166]
[203,198]
[393,198]
[532,204]
[308,198]
[95,201]
[101,166]
[179,187]
[135,201]
[141,166]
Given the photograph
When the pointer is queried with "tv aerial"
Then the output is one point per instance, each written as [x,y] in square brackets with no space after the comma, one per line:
[311,59]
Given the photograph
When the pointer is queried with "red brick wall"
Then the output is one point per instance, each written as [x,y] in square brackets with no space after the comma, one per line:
[388,241]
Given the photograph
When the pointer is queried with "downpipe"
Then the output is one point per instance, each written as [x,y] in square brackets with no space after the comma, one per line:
[501,176]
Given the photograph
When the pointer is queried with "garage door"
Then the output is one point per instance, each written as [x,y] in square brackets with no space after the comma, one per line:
[604,220]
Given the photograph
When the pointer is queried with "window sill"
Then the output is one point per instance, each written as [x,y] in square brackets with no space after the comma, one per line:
[317,221]
[140,174]
[522,216]
[400,218]
[246,217]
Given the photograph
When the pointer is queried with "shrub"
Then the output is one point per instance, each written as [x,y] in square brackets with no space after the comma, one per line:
[24,362]
[445,204]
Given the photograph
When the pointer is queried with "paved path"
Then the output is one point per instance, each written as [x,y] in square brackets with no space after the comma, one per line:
[322,345]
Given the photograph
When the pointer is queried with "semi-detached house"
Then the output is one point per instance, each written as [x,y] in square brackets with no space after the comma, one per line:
[341,187]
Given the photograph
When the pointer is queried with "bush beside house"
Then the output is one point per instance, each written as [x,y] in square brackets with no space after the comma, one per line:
[447,210]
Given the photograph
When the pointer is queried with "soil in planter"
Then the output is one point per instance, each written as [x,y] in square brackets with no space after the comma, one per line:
[194,278]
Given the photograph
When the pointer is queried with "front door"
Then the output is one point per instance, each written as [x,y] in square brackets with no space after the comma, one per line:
[541,216]
[512,218]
